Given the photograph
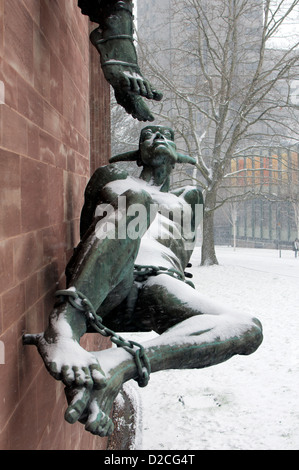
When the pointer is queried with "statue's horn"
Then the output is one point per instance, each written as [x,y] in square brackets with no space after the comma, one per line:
[125,157]
[186,159]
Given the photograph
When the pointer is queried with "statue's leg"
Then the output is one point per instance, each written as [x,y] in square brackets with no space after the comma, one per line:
[201,333]
[184,317]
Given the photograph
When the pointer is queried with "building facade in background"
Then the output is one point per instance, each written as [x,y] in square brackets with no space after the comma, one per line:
[267,219]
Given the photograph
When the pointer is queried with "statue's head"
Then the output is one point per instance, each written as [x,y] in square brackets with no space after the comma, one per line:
[156,148]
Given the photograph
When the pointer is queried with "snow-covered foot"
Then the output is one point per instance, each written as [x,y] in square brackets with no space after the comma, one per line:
[92,407]
[67,361]
[124,75]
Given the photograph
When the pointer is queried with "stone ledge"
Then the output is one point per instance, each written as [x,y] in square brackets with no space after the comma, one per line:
[127,419]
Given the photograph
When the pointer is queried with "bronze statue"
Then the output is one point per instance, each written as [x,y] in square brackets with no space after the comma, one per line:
[114,41]
[128,274]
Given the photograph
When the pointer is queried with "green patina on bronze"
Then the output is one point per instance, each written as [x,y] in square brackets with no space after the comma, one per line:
[113,40]
[135,284]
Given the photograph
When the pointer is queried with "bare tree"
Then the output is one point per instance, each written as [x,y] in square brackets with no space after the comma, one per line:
[228,92]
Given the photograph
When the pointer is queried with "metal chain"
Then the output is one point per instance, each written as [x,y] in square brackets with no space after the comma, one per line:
[141,273]
[81,303]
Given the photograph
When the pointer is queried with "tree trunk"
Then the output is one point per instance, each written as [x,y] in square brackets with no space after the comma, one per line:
[208,255]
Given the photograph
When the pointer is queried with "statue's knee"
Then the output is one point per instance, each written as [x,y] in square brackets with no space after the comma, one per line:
[258,331]
[254,336]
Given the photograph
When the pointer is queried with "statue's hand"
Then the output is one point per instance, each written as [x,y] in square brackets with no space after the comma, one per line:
[67,361]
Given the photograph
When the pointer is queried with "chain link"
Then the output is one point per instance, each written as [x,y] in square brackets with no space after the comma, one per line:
[81,303]
[141,273]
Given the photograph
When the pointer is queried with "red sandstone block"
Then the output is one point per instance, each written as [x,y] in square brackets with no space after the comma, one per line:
[61,156]
[71,160]
[33,323]
[33,8]
[31,291]
[47,147]
[53,426]
[49,300]
[46,391]
[1,318]
[65,130]
[83,145]
[27,254]
[56,198]
[74,140]
[72,228]
[29,361]
[34,193]
[10,194]
[51,121]
[71,136]
[1,29]
[30,103]
[47,280]
[56,7]
[41,63]
[81,117]
[9,78]
[33,146]
[68,55]
[24,420]
[9,384]
[50,23]
[19,38]
[13,302]
[84,83]
[6,265]
[56,435]
[74,186]
[56,82]
[51,244]
[81,165]
[70,97]
[4,440]
[13,131]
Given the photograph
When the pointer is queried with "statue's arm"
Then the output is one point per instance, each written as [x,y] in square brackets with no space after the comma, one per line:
[93,193]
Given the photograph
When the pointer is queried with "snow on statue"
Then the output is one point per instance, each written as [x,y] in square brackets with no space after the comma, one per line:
[128,274]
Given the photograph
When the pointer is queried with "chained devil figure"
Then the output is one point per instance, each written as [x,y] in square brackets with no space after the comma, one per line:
[129,276]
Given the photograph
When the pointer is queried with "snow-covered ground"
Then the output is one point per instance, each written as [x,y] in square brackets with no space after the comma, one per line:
[248,402]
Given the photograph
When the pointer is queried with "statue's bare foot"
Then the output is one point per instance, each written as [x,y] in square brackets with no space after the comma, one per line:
[67,361]
[121,70]
[92,407]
